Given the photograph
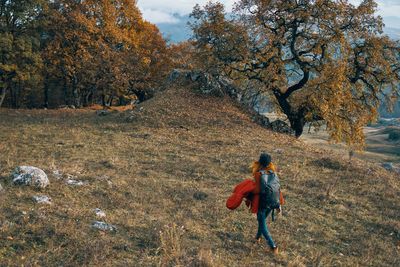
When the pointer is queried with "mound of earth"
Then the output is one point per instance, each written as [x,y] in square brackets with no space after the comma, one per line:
[162,174]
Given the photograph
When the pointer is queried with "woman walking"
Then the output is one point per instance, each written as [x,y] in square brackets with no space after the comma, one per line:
[262,203]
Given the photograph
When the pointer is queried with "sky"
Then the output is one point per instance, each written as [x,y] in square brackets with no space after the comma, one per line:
[161,11]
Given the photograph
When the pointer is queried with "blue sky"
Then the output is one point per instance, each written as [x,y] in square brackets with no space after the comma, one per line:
[161,11]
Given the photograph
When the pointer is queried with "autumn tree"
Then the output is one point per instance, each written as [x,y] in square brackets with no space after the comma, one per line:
[68,52]
[103,49]
[20,61]
[320,59]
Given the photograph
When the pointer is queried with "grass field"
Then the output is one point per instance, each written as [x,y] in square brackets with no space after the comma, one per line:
[162,173]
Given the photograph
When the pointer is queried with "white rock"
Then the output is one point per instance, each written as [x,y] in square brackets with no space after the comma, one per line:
[28,175]
[100,213]
[42,199]
[74,182]
[104,226]
[1,189]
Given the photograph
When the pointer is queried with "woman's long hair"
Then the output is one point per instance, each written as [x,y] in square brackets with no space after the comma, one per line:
[256,167]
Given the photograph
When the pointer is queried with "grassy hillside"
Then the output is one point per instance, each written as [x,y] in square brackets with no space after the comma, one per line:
[162,174]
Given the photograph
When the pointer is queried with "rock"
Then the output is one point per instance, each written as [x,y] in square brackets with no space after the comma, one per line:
[262,120]
[100,213]
[104,226]
[42,199]
[74,182]
[1,189]
[102,112]
[131,118]
[103,177]
[388,166]
[32,176]
[281,127]
[278,151]
[200,195]
[174,75]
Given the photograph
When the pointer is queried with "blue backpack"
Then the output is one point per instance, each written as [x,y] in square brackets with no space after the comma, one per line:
[270,189]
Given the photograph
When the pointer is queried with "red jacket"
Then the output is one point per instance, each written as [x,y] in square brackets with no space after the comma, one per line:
[242,190]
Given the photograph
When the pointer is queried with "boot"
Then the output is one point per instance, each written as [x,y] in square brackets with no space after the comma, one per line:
[274,250]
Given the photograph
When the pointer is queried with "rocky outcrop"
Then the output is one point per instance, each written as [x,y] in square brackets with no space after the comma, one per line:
[30,176]
[281,127]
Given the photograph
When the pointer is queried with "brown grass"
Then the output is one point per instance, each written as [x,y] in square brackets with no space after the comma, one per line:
[162,176]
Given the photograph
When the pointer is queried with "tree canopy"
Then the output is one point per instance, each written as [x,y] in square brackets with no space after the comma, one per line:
[319,59]
[67,52]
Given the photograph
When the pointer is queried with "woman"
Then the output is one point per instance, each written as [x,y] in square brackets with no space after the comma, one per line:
[259,203]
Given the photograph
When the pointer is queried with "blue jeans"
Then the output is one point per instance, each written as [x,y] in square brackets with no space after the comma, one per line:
[262,226]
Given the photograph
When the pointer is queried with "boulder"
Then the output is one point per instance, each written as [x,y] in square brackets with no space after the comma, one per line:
[31,176]
[262,120]
[104,226]
[99,213]
[42,199]
[1,189]
[281,127]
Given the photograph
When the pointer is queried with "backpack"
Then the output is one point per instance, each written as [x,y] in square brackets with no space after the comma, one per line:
[270,189]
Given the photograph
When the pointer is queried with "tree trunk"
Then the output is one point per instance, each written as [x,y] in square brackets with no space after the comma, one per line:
[13,91]
[296,117]
[75,92]
[103,100]
[110,100]
[46,93]
[65,89]
[297,123]
[88,99]
[2,96]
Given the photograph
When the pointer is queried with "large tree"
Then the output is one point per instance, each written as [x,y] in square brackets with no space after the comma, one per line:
[103,49]
[71,52]
[20,61]
[320,59]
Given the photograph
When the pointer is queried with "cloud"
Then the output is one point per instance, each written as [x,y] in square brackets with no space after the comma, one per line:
[158,16]
[183,7]
[389,8]
[160,11]
[386,8]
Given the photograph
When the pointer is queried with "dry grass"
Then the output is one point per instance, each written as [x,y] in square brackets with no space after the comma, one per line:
[163,176]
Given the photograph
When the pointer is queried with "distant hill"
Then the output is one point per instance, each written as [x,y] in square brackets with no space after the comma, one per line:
[394,33]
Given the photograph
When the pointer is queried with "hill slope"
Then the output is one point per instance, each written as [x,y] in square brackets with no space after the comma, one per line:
[162,174]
